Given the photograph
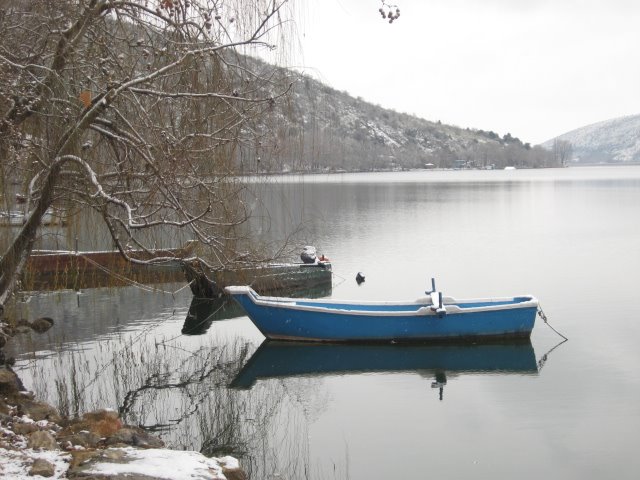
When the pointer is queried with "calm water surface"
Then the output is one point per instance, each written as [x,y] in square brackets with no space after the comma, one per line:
[571,237]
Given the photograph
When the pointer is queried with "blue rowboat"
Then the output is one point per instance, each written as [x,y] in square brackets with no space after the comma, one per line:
[433,317]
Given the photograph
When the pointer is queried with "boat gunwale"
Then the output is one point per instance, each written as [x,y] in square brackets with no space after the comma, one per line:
[424,304]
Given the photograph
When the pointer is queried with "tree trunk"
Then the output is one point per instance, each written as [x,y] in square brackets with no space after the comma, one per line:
[15,257]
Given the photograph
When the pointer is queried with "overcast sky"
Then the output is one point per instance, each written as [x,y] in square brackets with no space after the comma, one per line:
[532,68]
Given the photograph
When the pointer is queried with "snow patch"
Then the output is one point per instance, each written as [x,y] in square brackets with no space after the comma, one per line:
[169,464]
[15,464]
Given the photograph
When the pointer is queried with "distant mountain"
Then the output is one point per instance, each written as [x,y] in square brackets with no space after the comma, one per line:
[318,128]
[610,141]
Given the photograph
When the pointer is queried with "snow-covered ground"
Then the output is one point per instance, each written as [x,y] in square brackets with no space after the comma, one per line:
[156,463]
[169,464]
[16,464]
[19,452]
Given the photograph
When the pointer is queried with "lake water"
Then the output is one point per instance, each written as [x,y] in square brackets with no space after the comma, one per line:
[569,236]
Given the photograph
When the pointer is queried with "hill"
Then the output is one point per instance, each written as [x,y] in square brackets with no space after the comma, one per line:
[611,141]
[318,128]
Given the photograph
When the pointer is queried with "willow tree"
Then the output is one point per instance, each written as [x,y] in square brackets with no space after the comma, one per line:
[134,109]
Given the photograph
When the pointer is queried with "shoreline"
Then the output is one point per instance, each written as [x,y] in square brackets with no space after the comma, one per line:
[37,442]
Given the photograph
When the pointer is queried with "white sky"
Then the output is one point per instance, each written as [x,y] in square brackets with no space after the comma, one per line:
[532,68]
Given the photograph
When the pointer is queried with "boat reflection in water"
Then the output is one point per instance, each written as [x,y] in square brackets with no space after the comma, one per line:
[283,359]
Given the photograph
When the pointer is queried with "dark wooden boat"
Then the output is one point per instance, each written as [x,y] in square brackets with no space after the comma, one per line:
[55,270]
[277,278]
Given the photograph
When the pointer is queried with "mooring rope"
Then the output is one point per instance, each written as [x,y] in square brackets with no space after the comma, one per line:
[342,279]
[545,357]
[542,315]
[131,282]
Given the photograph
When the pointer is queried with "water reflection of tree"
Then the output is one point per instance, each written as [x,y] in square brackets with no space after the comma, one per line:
[174,385]
[281,445]
[186,400]
[181,394]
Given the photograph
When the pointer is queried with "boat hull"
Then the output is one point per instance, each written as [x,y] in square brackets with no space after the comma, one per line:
[55,270]
[317,321]
[291,279]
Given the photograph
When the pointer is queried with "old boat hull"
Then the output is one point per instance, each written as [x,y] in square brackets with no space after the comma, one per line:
[423,320]
[290,279]
[54,270]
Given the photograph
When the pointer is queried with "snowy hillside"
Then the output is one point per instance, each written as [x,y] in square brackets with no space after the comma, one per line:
[611,141]
[319,128]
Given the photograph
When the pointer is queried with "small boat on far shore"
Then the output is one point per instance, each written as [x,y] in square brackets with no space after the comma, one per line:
[432,318]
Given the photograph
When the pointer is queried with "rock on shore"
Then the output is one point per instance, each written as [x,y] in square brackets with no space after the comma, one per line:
[36,442]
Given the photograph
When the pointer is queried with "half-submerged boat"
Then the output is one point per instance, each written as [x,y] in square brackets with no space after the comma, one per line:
[60,269]
[294,279]
[431,318]
[275,279]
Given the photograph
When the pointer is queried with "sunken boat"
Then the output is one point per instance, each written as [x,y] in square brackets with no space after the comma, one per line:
[311,277]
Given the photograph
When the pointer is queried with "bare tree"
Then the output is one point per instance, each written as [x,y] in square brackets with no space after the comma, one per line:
[135,109]
[562,152]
